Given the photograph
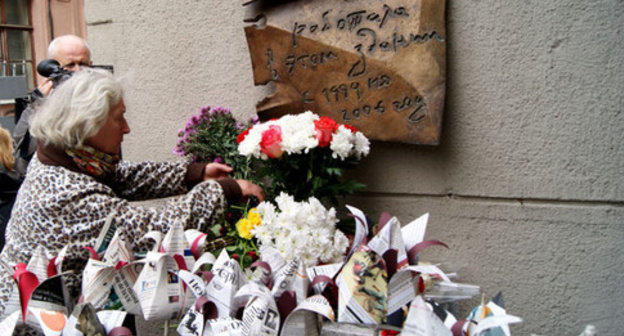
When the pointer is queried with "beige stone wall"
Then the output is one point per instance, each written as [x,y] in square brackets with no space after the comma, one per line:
[526,186]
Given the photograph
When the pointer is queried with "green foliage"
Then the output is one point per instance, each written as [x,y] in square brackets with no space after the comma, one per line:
[314,174]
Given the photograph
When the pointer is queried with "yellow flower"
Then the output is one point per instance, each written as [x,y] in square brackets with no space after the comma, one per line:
[245,225]
[254,217]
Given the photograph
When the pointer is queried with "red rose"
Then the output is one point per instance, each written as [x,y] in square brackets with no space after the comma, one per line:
[350,128]
[242,136]
[325,128]
[235,256]
[253,255]
[270,143]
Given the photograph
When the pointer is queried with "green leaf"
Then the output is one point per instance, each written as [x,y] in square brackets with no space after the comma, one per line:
[333,171]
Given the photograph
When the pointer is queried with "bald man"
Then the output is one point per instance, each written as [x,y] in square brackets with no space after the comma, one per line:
[72,53]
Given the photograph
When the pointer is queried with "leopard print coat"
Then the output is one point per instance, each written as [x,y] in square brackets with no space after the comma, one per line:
[56,207]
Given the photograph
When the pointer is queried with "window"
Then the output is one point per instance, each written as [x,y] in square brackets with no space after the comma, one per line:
[16,40]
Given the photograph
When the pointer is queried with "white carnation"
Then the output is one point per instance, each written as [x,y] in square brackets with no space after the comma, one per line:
[298,132]
[341,242]
[250,146]
[300,229]
[362,145]
[266,210]
[342,143]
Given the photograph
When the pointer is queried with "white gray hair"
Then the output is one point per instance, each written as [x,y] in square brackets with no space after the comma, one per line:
[76,109]
[53,47]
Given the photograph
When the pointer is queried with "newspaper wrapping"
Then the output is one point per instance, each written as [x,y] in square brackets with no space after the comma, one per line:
[329,271]
[285,277]
[9,323]
[361,228]
[194,283]
[272,256]
[118,250]
[124,280]
[260,316]
[414,232]
[422,321]
[303,320]
[227,279]
[38,264]
[97,280]
[192,324]
[224,326]
[390,237]
[111,319]
[50,303]
[158,288]
[205,259]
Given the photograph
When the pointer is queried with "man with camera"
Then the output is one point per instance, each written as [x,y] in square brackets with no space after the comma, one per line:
[72,54]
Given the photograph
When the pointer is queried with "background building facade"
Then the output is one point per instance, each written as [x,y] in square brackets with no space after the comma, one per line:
[26,29]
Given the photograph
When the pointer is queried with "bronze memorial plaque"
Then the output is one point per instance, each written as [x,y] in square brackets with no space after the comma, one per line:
[377,65]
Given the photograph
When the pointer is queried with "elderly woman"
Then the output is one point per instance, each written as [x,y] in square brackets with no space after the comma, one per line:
[76,181]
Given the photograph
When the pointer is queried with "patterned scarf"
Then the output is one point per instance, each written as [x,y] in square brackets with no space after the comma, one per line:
[93,161]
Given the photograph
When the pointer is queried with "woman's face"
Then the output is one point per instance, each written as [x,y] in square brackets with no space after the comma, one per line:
[108,139]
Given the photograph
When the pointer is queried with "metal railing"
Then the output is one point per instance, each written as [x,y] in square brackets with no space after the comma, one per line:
[13,68]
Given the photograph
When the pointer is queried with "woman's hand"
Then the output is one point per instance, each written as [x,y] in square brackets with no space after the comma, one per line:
[250,189]
[214,171]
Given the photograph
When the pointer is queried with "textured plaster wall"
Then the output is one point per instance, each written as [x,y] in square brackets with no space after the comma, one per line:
[527,184]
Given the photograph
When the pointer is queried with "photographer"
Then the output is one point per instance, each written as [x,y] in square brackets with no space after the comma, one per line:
[72,53]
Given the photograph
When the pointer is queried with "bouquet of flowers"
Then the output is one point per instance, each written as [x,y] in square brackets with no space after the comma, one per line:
[300,229]
[302,155]
[210,136]
[305,155]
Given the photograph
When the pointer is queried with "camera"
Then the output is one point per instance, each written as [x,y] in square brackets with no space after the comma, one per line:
[51,69]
